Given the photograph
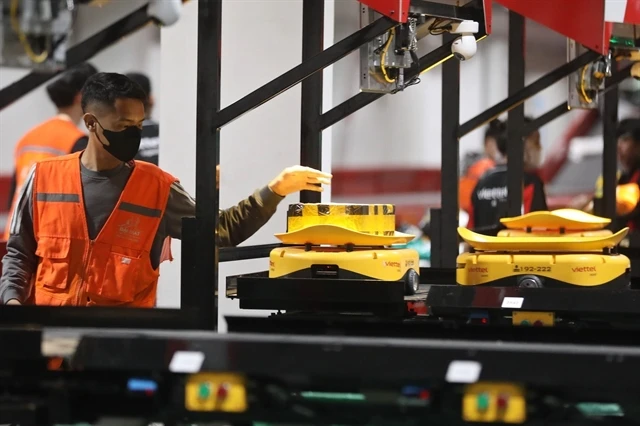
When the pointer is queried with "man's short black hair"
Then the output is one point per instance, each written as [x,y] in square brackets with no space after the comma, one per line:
[502,140]
[64,90]
[629,128]
[105,87]
[142,80]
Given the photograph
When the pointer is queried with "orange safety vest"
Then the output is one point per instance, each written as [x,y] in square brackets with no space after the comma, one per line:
[52,138]
[113,269]
[470,180]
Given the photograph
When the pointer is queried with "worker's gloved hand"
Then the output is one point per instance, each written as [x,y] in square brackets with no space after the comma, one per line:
[299,178]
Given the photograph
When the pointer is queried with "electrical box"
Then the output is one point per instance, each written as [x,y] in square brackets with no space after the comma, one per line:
[221,392]
[535,319]
[488,402]
[379,57]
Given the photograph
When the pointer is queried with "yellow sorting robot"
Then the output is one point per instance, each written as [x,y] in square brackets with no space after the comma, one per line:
[560,248]
[344,241]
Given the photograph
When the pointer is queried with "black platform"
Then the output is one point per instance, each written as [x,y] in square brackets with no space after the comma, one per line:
[570,303]
[281,368]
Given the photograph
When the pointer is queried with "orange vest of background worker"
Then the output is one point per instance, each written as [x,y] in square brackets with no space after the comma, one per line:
[57,136]
[52,138]
[113,269]
[469,181]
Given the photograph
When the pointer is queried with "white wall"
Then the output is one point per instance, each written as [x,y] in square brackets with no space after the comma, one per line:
[260,40]
[138,52]
[404,129]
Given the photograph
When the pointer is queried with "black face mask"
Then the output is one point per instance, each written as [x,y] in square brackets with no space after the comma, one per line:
[123,145]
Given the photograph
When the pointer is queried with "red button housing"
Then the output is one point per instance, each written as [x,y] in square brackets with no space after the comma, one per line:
[502,401]
[223,391]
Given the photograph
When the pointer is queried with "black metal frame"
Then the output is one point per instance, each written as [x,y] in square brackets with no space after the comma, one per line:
[199,275]
[444,247]
[450,152]
[313,120]
[311,97]
[77,54]
[515,120]
[444,238]
[609,151]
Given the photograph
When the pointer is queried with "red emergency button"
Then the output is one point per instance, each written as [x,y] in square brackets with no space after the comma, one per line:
[538,324]
[223,391]
[502,402]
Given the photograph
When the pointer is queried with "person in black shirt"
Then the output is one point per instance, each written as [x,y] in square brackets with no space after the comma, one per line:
[150,143]
[489,198]
[628,135]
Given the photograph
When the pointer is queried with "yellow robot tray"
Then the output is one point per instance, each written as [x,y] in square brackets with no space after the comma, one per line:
[339,236]
[541,244]
[568,219]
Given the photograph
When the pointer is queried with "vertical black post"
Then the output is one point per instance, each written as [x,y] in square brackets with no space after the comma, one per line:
[450,160]
[311,99]
[199,278]
[435,224]
[610,148]
[515,124]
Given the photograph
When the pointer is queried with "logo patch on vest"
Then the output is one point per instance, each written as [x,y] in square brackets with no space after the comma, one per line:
[125,261]
[130,230]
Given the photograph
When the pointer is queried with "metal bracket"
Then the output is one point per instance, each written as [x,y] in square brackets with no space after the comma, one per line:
[584,85]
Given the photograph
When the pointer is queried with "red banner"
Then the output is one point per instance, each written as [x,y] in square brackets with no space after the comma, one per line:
[580,20]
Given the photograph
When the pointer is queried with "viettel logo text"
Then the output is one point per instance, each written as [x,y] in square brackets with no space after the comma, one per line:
[584,269]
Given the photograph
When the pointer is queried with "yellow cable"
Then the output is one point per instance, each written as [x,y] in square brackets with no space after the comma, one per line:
[383,55]
[582,91]
[15,24]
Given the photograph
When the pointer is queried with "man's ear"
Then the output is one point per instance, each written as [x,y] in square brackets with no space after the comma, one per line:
[91,122]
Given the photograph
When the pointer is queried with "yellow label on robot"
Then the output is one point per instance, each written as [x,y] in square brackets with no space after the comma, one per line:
[569,219]
[541,244]
[376,219]
[220,392]
[494,403]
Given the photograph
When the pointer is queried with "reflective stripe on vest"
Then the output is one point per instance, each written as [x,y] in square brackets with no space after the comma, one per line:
[114,268]
[39,150]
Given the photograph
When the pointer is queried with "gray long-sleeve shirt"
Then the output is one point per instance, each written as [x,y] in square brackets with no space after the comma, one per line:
[101,192]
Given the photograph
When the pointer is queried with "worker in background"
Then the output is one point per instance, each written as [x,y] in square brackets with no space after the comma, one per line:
[489,198]
[491,154]
[150,144]
[59,135]
[627,205]
[90,227]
